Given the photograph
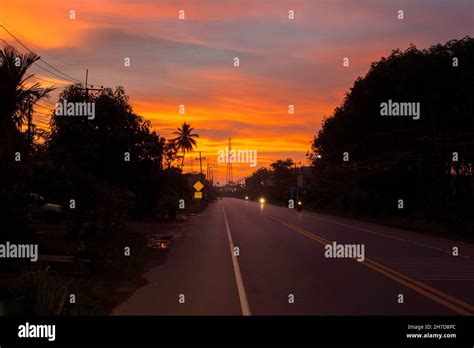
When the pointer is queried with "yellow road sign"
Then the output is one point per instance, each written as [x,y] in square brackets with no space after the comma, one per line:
[198,195]
[198,186]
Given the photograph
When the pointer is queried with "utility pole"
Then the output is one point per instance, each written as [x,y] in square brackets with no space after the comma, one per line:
[230,179]
[296,174]
[87,77]
[210,173]
[200,162]
[212,168]
[296,186]
[87,89]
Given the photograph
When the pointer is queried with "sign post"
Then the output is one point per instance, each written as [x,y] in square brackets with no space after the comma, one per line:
[198,186]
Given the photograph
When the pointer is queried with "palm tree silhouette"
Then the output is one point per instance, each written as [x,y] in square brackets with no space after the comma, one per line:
[17,98]
[185,139]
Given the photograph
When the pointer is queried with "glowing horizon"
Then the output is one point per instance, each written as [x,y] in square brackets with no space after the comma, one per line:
[190,62]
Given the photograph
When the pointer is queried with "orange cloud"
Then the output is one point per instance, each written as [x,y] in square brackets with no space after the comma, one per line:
[190,62]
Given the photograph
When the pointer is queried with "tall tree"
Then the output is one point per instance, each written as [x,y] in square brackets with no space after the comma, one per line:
[257,183]
[117,145]
[365,160]
[17,96]
[185,140]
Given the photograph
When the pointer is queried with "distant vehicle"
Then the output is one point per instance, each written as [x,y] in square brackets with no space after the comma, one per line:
[262,200]
[299,206]
[39,209]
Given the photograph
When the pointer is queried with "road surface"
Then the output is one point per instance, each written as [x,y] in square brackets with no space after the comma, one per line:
[245,258]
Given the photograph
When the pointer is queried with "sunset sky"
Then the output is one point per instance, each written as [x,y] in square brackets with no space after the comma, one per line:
[190,61]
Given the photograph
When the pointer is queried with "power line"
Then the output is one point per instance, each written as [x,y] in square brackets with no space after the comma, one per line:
[46,107]
[44,61]
[43,122]
[42,127]
[36,112]
[54,83]
[50,104]
[68,77]
[53,73]
[43,68]
[43,114]
[34,45]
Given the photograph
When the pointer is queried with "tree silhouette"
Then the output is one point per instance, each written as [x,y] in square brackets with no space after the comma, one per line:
[283,178]
[117,147]
[257,183]
[17,98]
[185,139]
[170,153]
[428,162]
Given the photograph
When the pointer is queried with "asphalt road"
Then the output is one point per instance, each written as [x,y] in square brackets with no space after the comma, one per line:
[282,269]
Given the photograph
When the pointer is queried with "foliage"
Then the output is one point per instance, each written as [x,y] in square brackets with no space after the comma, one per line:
[395,158]
[185,140]
[17,100]
[43,291]
[17,96]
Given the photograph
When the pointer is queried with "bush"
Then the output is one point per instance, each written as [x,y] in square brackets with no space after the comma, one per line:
[43,292]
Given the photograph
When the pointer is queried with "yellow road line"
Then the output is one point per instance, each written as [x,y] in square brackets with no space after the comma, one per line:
[433,294]
[423,285]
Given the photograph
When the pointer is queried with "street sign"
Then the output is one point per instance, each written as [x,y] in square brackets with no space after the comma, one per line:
[198,186]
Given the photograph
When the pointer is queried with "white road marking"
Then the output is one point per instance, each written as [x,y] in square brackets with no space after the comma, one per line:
[244,304]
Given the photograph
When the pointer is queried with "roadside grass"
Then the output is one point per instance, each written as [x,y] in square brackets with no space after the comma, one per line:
[108,278]
[196,206]
[40,289]
[114,279]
